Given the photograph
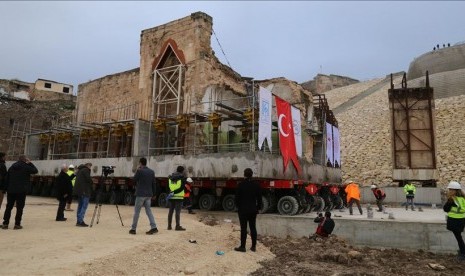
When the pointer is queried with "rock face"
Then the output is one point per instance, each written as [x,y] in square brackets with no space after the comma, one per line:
[366,137]
[322,83]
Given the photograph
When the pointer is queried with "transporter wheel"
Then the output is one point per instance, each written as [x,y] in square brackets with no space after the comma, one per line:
[115,197]
[228,203]
[273,204]
[329,205]
[318,204]
[338,202]
[207,202]
[129,198]
[266,205]
[288,205]
[162,202]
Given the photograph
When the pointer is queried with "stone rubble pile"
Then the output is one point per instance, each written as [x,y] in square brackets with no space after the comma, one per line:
[366,137]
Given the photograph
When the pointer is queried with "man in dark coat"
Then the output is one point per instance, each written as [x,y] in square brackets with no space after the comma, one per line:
[64,189]
[3,173]
[145,191]
[19,175]
[248,202]
[83,189]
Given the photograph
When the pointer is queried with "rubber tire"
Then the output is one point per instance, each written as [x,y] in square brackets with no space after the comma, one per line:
[273,204]
[288,205]
[338,202]
[229,203]
[129,198]
[162,202]
[207,202]
[318,205]
[265,205]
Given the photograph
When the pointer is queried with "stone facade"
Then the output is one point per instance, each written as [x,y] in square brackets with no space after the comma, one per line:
[322,83]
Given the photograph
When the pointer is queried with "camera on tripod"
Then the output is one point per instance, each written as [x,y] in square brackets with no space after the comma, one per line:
[106,170]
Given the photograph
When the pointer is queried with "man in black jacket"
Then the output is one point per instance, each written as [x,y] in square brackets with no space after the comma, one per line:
[83,189]
[248,202]
[3,173]
[64,189]
[19,175]
[145,191]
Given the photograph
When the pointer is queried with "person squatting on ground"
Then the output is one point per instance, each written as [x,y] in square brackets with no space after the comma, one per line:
[145,191]
[3,173]
[409,190]
[455,208]
[177,183]
[379,195]
[18,180]
[72,175]
[83,190]
[64,190]
[188,195]
[353,195]
[248,201]
[325,226]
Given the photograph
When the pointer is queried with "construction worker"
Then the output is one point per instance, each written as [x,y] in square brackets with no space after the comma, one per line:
[187,195]
[379,195]
[325,226]
[177,182]
[409,190]
[353,195]
[72,175]
[455,208]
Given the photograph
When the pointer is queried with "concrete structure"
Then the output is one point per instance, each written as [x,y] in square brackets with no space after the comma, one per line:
[41,90]
[409,230]
[396,195]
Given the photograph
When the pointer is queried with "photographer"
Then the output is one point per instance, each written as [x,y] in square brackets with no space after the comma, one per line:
[83,188]
[64,189]
[325,226]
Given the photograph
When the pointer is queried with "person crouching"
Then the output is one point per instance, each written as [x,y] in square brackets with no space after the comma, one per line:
[325,226]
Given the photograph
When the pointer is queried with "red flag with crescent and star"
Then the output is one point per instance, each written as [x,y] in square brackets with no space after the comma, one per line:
[286,134]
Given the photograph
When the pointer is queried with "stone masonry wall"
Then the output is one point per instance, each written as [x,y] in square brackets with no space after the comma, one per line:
[366,141]
[108,92]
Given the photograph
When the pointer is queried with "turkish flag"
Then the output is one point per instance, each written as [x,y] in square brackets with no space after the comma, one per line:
[286,134]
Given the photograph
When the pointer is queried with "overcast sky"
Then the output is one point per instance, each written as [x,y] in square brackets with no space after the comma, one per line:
[74,42]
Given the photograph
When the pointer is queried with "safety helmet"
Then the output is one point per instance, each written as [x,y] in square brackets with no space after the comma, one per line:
[454,185]
[189,180]
[373,186]
[71,166]
[349,181]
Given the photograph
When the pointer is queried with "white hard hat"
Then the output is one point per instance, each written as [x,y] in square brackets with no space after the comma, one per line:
[71,166]
[189,180]
[454,185]
[373,186]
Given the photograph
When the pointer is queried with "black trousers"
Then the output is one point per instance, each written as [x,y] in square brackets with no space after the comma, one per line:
[458,237]
[251,220]
[20,200]
[175,204]
[61,207]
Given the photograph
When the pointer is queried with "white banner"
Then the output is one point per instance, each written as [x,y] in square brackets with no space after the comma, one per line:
[337,147]
[264,122]
[297,130]
[329,144]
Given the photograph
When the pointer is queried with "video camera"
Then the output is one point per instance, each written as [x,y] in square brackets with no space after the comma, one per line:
[106,170]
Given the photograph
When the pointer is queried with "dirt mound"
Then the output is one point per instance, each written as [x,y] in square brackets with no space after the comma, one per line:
[334,256]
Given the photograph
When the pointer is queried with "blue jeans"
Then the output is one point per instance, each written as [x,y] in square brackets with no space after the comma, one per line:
[146,202]
[83,202]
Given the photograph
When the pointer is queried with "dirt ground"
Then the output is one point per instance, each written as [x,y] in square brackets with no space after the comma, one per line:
[46,247]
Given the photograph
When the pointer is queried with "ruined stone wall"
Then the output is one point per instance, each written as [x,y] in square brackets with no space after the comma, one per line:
[107,93]
[322,83]
[40,95]
[192,36]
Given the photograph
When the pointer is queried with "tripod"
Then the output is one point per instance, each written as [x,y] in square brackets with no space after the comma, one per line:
[98,199]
